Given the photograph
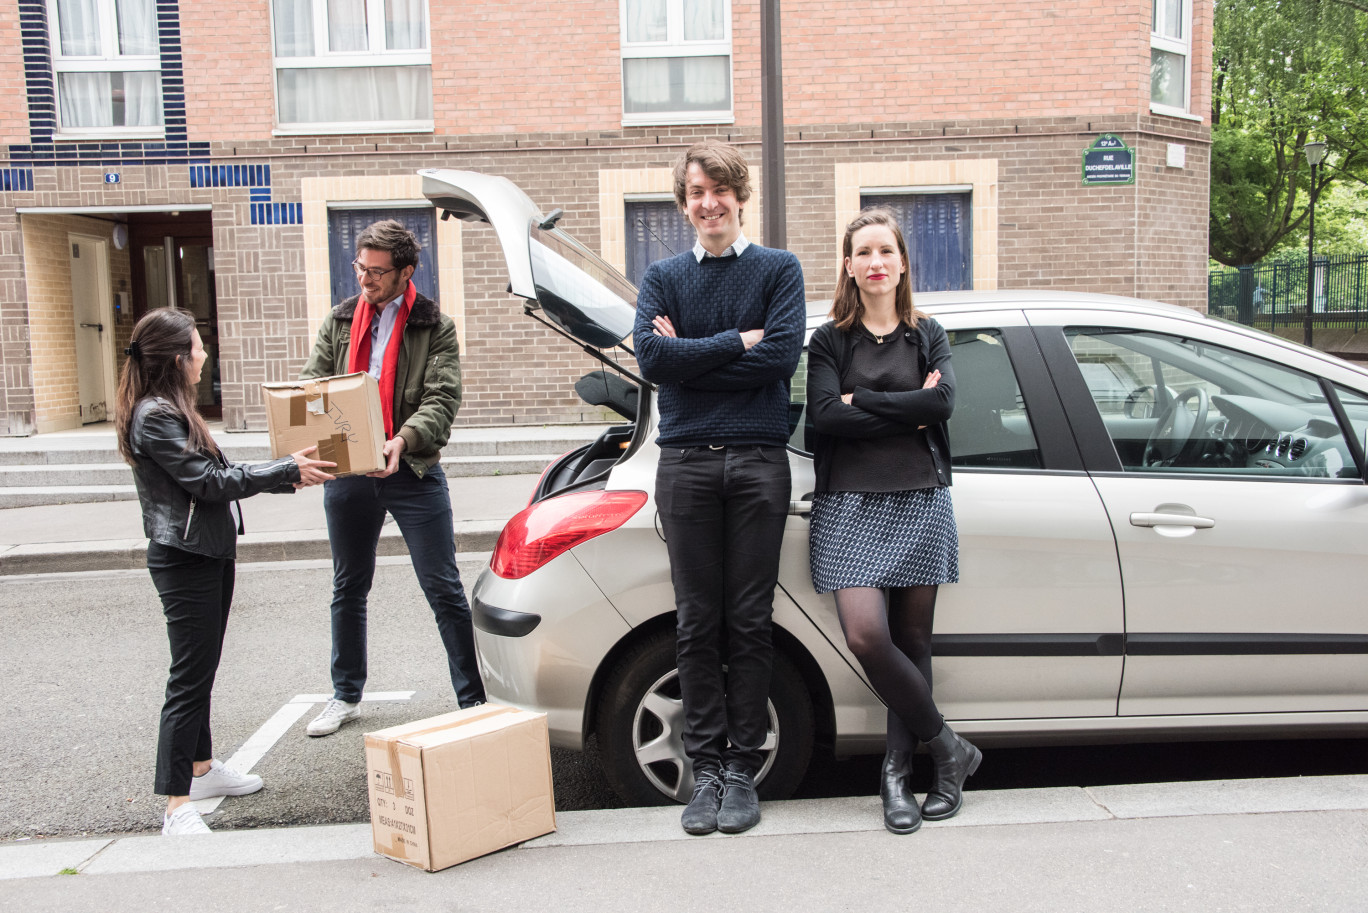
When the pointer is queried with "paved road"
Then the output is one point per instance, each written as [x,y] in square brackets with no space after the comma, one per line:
[82,667]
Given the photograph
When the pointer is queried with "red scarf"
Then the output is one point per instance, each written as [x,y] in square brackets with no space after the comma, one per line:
[358,357]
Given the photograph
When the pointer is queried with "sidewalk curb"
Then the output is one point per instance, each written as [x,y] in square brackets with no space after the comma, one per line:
[987,808]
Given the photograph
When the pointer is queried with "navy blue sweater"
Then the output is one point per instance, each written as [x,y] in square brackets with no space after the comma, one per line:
[713,390]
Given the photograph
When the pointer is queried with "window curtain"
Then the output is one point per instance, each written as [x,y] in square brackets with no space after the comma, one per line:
[126,99]
[85,99]
[78,23]
[646,83]
[405,25]
[294,28]
[142,99]
[137,27]
[706,83]
[1167,79]
[646,20]
[703,20]
[347,25]
[355,94]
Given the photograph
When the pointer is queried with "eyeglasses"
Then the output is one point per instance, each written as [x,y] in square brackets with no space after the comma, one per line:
[374,273]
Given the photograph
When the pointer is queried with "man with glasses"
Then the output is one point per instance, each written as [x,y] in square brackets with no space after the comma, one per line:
[402,339]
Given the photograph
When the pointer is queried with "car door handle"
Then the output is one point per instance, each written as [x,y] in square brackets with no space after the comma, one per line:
[1152,520]
[801,508]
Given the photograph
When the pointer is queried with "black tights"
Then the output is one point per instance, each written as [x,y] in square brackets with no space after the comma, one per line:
[892,641]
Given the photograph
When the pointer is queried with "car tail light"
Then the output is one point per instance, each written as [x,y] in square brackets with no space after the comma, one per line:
[544,530]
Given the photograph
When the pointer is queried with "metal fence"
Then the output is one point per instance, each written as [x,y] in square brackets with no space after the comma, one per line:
[1272,293]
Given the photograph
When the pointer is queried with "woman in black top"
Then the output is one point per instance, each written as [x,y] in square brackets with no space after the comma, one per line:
[880,389]
[189,493]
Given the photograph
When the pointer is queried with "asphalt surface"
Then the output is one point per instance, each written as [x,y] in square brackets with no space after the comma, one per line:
[83,666]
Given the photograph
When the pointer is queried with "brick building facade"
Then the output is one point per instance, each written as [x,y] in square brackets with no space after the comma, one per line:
[238,131]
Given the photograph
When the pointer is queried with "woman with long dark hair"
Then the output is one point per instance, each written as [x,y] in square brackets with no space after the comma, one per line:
[880,390]
[189,495]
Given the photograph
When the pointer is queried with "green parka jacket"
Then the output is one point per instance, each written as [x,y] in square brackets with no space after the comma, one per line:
[427,382]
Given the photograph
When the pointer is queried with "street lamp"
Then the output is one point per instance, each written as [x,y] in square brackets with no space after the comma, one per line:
[1315,154]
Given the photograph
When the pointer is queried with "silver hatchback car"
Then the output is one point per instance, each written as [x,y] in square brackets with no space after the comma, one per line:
[1163,521]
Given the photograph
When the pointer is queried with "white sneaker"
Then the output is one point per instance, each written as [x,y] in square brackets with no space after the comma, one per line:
[185,821]
[223,781]
[334,714]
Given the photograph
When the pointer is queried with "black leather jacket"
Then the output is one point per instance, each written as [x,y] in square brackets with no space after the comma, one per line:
[185,497]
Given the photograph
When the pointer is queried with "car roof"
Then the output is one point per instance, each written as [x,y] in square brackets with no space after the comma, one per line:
[1041,300]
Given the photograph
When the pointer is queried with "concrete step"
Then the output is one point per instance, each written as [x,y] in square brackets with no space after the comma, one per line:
[472,537]
[104,475]
[66,475]
[256,451]
[39,497]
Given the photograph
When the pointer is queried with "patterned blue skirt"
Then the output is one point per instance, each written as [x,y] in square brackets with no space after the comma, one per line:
[883,539]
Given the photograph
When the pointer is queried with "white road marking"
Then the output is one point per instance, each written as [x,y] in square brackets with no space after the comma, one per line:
[264,739]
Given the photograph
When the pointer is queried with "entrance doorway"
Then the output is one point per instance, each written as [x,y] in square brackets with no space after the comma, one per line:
[91,310]
[173,266]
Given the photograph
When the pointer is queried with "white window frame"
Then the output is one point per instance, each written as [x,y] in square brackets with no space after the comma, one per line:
[677,47]
[101,63]
[375,37]
[1159,41]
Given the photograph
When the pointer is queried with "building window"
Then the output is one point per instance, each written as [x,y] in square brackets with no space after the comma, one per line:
[345,225]
[1170,55]
[107,61]
[349,65]
[676,61]
[656,229]
[939,233]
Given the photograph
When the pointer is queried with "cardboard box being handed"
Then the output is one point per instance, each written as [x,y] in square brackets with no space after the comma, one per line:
[341,415]
[457,786]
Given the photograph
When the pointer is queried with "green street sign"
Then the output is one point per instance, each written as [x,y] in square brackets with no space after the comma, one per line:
[1108,161]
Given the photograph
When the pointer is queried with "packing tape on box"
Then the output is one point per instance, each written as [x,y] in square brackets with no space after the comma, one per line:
[334,450]
[312,401]
[397,849]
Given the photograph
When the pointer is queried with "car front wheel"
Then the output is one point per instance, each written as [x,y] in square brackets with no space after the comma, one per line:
[641,728]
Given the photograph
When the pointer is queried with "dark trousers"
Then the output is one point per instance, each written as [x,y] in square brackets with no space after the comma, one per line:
[195,592]
[355,508]
[723,514]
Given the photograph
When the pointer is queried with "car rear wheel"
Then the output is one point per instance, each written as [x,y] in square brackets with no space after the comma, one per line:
[641,726]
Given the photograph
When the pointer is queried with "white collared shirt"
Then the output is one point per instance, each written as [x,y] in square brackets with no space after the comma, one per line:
[737,247]
[381,329]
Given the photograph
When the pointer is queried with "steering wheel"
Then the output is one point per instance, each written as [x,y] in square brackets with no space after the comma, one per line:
[1177,430]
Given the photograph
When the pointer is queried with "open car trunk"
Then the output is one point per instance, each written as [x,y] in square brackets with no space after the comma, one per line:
[573,292]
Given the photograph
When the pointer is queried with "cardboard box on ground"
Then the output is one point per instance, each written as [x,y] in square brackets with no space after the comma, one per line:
[341,415]
[453,787]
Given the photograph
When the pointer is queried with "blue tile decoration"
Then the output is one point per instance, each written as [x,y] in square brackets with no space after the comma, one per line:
[174,148]
[16,178]
[257,180]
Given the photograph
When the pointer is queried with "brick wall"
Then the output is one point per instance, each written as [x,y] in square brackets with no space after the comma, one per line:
[16,378]
[960,94]
[13,110]
[229,72]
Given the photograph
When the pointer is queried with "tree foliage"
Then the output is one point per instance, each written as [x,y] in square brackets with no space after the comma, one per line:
[1286,72]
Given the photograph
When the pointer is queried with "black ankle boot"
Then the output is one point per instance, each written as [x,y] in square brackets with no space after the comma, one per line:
[956,760]
[901,815]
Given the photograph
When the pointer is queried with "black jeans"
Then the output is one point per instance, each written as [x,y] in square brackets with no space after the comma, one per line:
[355,508]
[723,513]
[196,593]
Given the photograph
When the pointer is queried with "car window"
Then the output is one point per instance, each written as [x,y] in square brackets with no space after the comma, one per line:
[1198,407]
[990,426]
[1355,405]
